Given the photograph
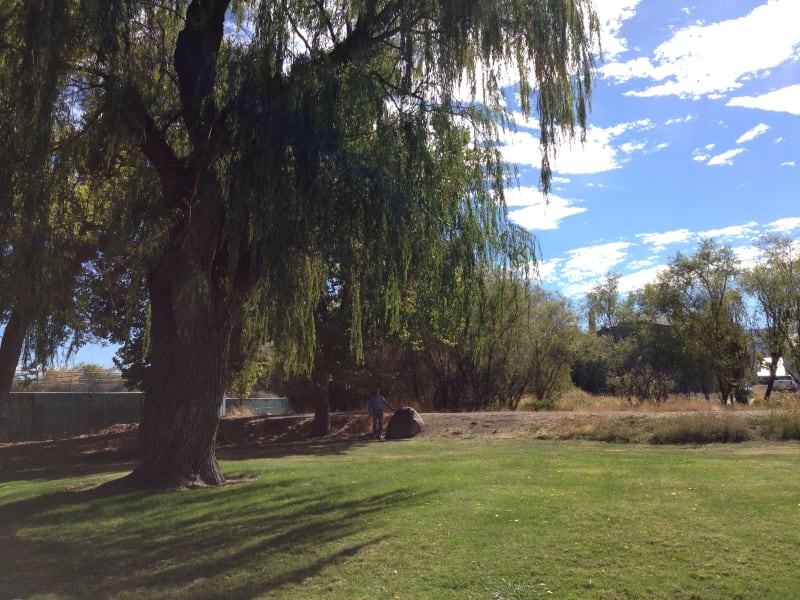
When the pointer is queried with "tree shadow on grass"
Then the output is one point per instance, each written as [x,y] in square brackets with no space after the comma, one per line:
[234,542]
[322,446]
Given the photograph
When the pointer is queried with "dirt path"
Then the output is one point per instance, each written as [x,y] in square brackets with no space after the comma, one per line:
[118,443]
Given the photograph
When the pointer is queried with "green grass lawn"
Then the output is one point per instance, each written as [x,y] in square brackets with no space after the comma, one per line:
[467,518]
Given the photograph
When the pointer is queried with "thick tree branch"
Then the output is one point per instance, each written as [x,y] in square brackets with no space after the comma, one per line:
[370,30]
[195,61]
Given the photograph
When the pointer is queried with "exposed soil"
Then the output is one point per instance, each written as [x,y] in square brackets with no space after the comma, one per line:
[117,444]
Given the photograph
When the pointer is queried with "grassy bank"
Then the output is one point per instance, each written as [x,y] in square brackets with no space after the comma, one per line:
[471,518]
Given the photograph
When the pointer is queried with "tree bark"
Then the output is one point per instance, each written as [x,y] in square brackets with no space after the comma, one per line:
[773,369]
[321,426]
[186,383]
[197,289]
[10,350]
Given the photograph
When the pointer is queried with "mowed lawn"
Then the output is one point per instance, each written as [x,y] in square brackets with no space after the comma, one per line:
[466,518]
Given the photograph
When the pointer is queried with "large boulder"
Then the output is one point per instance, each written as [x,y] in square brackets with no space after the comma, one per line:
[405,423]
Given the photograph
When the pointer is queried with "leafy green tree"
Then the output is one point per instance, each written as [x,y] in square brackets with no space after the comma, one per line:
[775,284]
[603,351]
[317,137]
[606,308]
[699,294]
[49,225]
[547,346]
[764,283]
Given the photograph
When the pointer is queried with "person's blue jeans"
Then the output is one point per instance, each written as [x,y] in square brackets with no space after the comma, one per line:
[377,423]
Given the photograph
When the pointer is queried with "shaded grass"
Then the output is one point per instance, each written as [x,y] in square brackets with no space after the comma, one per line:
[476,518]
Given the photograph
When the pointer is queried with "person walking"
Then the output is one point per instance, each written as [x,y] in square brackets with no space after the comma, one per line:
[375,407]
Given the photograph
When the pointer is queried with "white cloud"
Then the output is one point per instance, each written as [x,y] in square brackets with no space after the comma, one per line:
[724,159]
[711,59]
[593,261]
[546,269]
[685,119]
[788,163]
[529,209]
[783,100]
[598,154]
[753,133]
[746,230]
[783,225]
[660,241]
[748,255]
[612,15]
[631,147]
[644,263]
[637,280]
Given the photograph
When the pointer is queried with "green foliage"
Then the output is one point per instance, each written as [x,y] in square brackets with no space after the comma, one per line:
[332,142]
[774,283]
[700,297]
[51,224]
[546,347]
[337,135]
[687,332]
[645,384]
[488,347]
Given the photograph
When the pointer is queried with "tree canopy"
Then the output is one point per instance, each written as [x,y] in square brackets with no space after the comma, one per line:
[283,145]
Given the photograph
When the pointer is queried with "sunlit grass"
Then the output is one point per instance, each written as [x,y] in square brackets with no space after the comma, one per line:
[471,518]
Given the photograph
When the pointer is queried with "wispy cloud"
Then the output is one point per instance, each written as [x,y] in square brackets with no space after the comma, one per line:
[584,265]
[710,59]
[783,100]
[677,120]
[732,232]
[529,209]
[660,241]
[784,225]
[752,134]
[612,15]
[599,153]
[725,159]
[631,282]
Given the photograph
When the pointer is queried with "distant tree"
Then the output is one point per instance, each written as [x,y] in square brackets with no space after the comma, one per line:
[764,282]
[700,296]
[547,345]
[605,307]
[775,284]
[600,359]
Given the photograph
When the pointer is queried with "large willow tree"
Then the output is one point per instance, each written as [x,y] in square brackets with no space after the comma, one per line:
[315,138]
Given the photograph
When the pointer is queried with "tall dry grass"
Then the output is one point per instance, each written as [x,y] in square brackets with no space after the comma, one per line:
[576,400]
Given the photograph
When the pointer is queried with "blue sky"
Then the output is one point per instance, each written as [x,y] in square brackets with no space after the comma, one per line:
[694,132]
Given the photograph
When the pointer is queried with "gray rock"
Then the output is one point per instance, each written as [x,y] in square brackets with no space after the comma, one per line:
[405,423]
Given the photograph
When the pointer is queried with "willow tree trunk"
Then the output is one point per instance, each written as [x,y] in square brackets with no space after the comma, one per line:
[190,345]
[10,350]
[321,425]
[197,287]
[196,297]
